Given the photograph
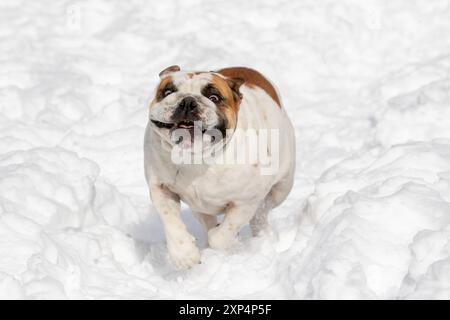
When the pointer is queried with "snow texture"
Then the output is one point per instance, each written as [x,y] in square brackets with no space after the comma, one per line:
[366,83]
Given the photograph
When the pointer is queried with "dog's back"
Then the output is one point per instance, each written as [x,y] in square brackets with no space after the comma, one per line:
[252,78]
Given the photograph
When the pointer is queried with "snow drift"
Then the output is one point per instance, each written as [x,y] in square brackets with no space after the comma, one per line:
[366,85]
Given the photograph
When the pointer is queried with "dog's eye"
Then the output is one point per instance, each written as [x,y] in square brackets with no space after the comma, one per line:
[214,98]
[167,92]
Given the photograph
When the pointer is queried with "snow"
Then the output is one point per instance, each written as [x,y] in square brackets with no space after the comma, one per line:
[366,83]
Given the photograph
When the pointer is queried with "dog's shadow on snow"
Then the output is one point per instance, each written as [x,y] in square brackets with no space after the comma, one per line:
[150,240]
[151,230]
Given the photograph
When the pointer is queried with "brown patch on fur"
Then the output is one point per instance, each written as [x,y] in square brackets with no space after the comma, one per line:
[230,205]
[192,74]
[229,106]
[162,85]
[252,78]
[168,193]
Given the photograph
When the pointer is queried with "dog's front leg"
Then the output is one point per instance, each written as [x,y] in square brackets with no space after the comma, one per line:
[180,243]
[236,217]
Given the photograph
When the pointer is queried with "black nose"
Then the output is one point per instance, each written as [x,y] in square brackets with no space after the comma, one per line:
[188,103]
[186,109]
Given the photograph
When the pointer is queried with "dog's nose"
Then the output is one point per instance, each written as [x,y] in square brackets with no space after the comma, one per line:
[187,109]
[188,104]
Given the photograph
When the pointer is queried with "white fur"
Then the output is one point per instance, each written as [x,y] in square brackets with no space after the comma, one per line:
[238,190]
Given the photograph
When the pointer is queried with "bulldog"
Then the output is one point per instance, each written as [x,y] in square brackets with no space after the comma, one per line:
[199,124]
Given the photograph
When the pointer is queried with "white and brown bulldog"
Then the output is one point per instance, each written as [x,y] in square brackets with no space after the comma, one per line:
[221,142]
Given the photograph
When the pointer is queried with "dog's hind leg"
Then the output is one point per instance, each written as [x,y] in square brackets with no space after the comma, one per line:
[277,195]
[259,222]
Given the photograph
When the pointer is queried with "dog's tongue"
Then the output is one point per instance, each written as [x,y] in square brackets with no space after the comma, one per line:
[186,126]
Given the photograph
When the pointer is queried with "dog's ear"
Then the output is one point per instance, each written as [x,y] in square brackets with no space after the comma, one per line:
[168,70]
[235,84]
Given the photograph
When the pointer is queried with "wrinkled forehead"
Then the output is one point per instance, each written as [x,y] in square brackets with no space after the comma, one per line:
[191,81]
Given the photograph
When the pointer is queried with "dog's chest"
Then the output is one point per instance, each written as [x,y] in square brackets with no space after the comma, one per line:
[209,189]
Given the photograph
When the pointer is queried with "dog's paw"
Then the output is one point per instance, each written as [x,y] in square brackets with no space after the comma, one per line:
[218,239]
[184,254]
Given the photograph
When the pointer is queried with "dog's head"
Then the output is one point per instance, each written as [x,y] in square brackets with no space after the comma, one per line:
[194,102]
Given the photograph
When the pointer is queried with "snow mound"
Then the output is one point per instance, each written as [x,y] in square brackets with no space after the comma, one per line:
[53,188]
[417,104]
[54,217]
[382,227]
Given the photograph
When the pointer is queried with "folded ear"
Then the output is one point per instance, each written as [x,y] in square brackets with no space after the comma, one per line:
[235,84]
[168,70]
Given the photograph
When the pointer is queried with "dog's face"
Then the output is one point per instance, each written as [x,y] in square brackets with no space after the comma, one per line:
[200,101]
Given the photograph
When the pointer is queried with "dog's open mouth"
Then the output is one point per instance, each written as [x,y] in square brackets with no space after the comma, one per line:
[187,130]
[184,124]
[160,124]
